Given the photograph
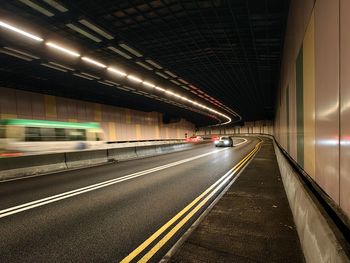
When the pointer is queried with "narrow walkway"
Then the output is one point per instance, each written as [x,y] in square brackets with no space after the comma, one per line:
[251,223]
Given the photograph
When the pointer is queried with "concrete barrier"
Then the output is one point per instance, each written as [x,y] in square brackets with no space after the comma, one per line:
[31,165]
[22,166]
[144,151]
[121,154]
[319,242]
[85,158]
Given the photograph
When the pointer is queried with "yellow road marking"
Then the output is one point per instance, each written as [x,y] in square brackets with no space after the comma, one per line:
[178,226]
[155,235]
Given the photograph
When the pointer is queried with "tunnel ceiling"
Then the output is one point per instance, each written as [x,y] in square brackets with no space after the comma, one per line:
[224,54]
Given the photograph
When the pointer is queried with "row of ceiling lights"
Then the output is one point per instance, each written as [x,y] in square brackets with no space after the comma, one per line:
[147,64]
[114,70]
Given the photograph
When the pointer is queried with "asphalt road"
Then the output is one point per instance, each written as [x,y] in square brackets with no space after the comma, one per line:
[102,214]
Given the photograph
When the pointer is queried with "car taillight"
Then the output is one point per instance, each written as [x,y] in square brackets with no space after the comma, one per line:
[13,154]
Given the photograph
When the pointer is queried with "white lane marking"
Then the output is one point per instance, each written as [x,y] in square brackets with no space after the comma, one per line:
[54,198]
[245,140]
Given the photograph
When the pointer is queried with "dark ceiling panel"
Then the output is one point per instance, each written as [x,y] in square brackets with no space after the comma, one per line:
[230,50]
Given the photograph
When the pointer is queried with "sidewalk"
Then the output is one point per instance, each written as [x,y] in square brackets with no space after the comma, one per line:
[251,223]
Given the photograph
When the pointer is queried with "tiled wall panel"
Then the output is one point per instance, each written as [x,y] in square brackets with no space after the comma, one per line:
[327,95]
[344,180]
[331,108]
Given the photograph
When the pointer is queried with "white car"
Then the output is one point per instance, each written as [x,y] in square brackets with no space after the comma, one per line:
[224,141]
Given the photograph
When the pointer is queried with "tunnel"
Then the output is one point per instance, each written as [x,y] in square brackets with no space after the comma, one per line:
[174,131]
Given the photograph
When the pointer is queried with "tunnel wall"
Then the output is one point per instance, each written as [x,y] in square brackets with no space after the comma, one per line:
[263,126]
[119,124]
[312,119]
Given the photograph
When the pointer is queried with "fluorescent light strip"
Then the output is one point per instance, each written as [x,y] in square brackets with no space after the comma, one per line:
[89,75]
[154,64]
[159,88]
[148,84]
[134,78]
[169,92]
[37,7]
[162,75]
[61,66]
[111,82]
[53,67]
[83,32]
[105,83]
[20,31]
[143,65]
[175,82]
[129,88]
[56,5]
[119,87]
[89,60]
[64,50]
[114,70]
[82,76]
[170,73]
[15,55]
[119,52]
[22,53]
[183,81]
[96,29]
[131,50]
[184,87]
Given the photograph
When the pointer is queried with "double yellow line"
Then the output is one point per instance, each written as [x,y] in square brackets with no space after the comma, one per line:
[217,186]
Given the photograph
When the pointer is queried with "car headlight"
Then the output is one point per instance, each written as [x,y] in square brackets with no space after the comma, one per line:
[216,142]
[226,142]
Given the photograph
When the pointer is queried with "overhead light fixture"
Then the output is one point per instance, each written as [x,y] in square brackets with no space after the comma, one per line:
[148,84]
[83,32]
[61,66]
[121,88]
[154,64]
[20,31]
[119,52]
[175,82]
[131,50]
[169,92]
[12,54]
[105,83]
[89,60]
[159,88]
[134,78]
[170,73]
[82,76]
[111,82]
[89,75]
[117,71]
[96,29]
[162,75]
[53,67]
[22,52]
[64,50]
[183,81]
[56,5]
[37,7]
[143,65]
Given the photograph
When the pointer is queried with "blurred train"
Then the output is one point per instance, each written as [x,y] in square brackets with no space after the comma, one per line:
[19,136]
